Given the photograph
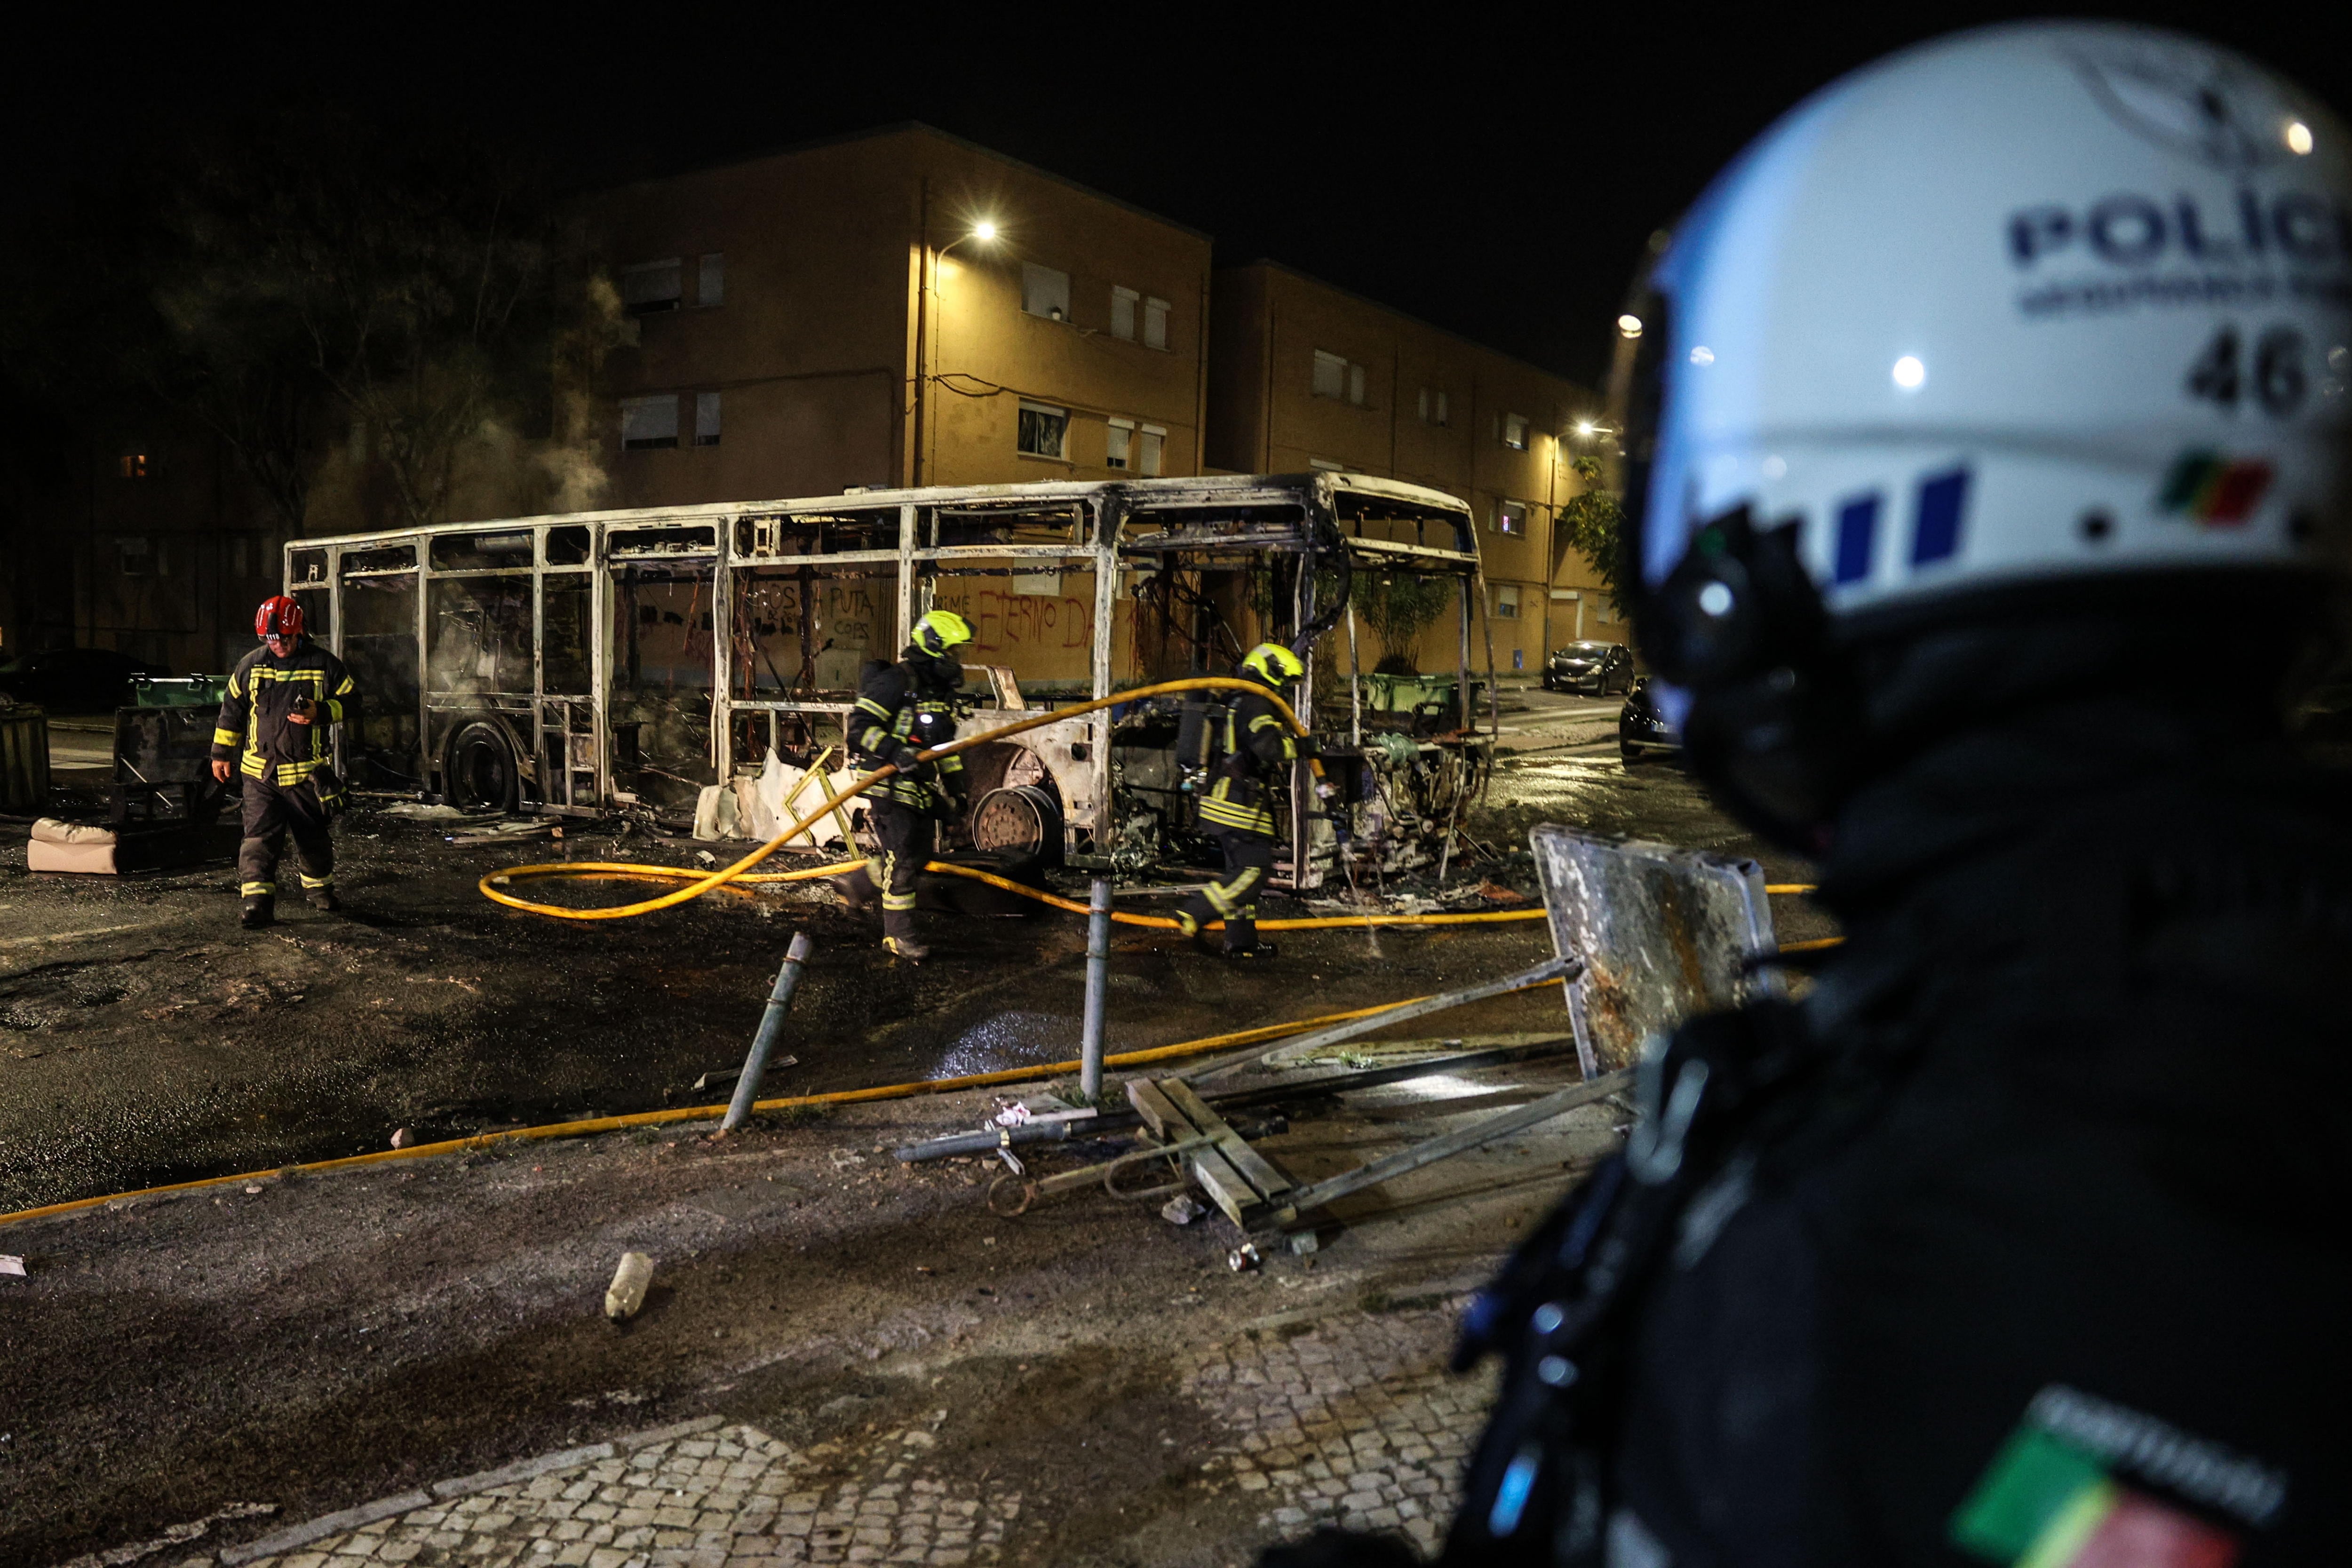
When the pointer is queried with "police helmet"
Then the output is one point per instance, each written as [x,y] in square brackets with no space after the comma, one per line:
[2011,315]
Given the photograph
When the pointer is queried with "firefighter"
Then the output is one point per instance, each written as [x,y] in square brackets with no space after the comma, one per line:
[1969,1256]
[902,708]
[1236,809]
[273,729]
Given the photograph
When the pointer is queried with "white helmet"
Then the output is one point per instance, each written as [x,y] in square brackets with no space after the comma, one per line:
[2028,304]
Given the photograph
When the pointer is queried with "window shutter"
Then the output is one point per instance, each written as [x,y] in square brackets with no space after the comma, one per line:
[1122,313]
[1154,439]
[1330,375]
[649,422]
[1045,291]
[1122,438]
[706,419]
[650,287]
[1356,384]
[1155,323]
[710,284]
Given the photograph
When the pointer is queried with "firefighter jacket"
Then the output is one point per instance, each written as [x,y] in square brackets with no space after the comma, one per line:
[901,710]
[1259,749]
[253,728]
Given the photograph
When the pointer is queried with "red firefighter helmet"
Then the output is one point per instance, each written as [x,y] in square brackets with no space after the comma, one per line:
[279,616]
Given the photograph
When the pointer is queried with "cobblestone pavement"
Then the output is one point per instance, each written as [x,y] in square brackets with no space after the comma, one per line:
[1354,1422]
[1346,1417]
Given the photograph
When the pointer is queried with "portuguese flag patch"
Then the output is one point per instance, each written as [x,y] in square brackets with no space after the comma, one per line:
[2044,1502]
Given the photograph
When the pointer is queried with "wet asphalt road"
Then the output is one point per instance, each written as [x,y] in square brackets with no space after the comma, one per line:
[144,1039]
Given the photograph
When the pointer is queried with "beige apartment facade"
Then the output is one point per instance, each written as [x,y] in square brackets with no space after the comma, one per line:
[899,308]
[1307,374]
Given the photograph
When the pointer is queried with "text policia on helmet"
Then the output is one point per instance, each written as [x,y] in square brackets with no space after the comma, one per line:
[2112,335]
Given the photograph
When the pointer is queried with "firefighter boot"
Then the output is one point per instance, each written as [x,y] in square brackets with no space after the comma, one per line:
[899,936]
[260,910]
[324,898]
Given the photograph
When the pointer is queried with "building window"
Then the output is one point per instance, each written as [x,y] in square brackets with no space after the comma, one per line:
[1155,323]
[1151,440]
[1121,442]
[1325,466]
[1334,377]
[710,282]
[1122,313]
[1432,406]
[648,422]
[1330,375]
[706,419]
[137,466]
[1044,292]
[1515,432]
[1506,601]
[1045,432]
[138,556]
[1511,517]
[651,287]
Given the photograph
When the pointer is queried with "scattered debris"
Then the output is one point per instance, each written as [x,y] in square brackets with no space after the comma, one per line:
[176,1535]
[424,813]
[627,1293]
[11,1264]
[402,1138]
[1243,1258]
[1495,893]
[1181,1210]
[253,1189]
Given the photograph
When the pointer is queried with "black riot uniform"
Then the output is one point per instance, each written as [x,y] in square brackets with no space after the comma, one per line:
[903,709]
[1236,809]
[289,783]
[2032,1204]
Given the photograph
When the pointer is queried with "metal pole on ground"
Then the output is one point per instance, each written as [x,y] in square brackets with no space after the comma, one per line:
[772,1024]
[1090,1053]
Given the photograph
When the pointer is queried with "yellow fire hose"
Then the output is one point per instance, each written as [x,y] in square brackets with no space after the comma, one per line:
[709,1113]
[701,882]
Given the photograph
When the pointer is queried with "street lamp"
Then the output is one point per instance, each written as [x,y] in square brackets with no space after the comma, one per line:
[984,231]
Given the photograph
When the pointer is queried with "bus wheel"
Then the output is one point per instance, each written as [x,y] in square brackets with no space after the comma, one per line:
[482,774]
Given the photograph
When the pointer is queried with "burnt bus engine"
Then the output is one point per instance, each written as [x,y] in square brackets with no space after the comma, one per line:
[1399,794]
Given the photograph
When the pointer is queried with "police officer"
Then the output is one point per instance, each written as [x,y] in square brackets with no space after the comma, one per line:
[1259,748]
[1994,385]
[903,709]
[273,730]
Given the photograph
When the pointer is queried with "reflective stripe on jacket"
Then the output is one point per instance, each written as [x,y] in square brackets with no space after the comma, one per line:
[897,712]
[254,729]
[1259,749]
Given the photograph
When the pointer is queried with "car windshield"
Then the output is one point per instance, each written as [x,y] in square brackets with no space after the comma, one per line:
[1584,650]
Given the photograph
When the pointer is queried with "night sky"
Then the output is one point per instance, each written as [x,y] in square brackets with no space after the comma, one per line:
[1494,170]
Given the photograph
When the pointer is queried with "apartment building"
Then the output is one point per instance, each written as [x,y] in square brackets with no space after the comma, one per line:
[898,308]
[1307,374]
[144,535]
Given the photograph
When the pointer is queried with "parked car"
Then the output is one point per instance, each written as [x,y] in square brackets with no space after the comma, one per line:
[75,679]
[1598,668]
[1643,733]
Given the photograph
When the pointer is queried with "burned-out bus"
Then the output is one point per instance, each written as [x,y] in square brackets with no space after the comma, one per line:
[623,661]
